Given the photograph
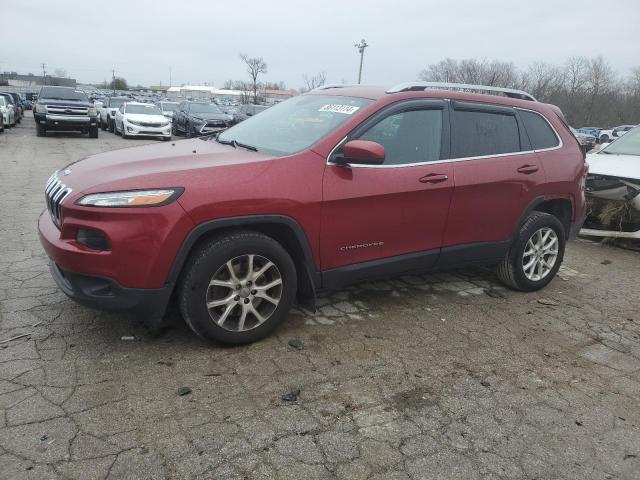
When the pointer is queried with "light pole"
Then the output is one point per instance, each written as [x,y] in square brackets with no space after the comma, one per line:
[361,46]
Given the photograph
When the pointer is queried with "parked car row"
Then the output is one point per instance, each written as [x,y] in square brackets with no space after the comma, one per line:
[11,110]
[606,135]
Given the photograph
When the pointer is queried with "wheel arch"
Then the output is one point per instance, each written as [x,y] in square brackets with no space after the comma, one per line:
[559,207]
[285,230]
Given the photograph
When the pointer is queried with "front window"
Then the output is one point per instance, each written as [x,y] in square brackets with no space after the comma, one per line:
[204,108]
[628,144]
[169,107]
[117,102]
[295,124]
[143,109]
[62,93]
[408,137]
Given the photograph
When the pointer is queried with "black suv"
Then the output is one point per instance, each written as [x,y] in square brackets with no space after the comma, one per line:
[66,109]
[199,118]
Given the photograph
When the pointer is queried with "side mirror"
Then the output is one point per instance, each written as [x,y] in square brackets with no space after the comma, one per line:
[363,152]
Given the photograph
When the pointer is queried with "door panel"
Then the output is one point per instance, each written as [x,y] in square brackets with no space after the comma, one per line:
[372,213]
[490,197]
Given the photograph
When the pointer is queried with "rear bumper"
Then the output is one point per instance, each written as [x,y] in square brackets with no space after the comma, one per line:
[106,294]
[575,228]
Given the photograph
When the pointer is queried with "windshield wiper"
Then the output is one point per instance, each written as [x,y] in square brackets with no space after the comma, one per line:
[236,144]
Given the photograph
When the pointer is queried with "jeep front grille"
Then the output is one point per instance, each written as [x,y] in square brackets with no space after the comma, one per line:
[55,193]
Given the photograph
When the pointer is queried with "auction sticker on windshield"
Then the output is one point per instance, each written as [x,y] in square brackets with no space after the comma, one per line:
[334,108]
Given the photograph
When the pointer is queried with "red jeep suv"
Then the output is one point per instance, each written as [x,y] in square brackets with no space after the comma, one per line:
[339,185]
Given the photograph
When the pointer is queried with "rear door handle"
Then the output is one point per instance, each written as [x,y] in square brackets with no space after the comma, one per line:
[527,169]
[434,178]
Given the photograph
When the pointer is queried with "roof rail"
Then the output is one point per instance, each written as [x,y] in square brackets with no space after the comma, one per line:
[335,85]
[416,86]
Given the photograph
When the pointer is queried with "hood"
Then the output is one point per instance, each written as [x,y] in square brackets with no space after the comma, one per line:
[623,166]
[142,117]
[210,116]
[75,103]
[160,165]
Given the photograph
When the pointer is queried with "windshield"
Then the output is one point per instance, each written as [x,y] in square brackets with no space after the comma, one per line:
[204,108]
[295,124]
[169,107]
[62,93]
[628,144]
[117,102]
[143,109]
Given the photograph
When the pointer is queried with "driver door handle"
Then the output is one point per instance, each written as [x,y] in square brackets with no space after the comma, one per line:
[527,169]
[434,178]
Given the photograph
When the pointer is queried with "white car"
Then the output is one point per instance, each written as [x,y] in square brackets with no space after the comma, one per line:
[108,111]
[614,175]
[607,136]
[141,119]
[7,112]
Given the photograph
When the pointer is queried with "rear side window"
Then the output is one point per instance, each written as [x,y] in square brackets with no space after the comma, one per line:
[540,132]
[479,133]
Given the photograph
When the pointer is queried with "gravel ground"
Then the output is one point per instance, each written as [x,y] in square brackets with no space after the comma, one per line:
[437,376]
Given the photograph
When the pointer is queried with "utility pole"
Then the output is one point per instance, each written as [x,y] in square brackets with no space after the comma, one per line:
[113,80]
[44,73]
[169,76]
[361,46]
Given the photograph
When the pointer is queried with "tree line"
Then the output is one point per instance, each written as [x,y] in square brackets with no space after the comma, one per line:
[588,90]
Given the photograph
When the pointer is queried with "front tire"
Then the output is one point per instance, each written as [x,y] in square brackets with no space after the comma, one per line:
[536,254]
[41,131]
[111,125]
[237,288]
[93,132]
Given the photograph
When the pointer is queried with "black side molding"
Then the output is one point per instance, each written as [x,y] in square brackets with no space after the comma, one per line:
[382,268]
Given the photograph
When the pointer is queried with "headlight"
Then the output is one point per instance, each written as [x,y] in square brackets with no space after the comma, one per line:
[92,111]
[130,121]
[40,108]
[136,198]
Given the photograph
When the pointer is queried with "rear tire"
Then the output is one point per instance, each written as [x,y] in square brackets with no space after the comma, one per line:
[543,262]
[229,322]
[604,139]
[41,131]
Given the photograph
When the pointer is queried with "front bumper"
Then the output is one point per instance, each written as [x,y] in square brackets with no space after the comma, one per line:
[131,129]
[66,122]
[106,294]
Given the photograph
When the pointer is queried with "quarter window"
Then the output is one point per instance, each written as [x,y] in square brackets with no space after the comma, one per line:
[480,133]
[540,132]
[408,137]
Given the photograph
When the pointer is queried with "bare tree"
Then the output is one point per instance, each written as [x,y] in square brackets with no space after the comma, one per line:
[255,66]
[471,70]
[60,72]
[586,90]
[317,80]
[542,80]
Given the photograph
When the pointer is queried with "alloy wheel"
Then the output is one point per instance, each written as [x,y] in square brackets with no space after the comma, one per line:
[540,254]
[244,293]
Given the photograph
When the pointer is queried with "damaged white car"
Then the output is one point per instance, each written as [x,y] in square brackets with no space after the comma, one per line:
[613,186]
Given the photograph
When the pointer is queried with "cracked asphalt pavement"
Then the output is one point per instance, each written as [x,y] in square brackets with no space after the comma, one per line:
[437,376]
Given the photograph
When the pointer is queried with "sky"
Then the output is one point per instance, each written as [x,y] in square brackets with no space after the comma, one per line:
[199,41]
